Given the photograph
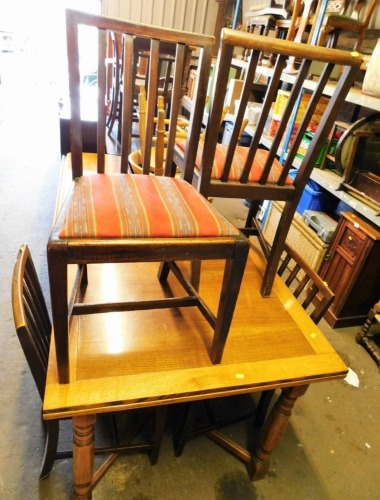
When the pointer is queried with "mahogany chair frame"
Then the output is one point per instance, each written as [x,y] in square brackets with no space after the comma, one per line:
[226,243]
[33,328]
[265,188]
[357,22]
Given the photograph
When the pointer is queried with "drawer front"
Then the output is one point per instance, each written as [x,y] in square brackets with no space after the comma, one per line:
[352,243]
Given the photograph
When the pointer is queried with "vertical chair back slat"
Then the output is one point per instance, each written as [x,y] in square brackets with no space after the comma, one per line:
[75,110]
[127,101]
[196,118]
[175,104]
[101,138]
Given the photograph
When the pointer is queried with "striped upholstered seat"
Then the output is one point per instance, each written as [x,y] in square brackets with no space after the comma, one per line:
[140,206]
[238,162]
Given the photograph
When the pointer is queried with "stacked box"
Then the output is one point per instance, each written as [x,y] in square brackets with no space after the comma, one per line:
[279,107]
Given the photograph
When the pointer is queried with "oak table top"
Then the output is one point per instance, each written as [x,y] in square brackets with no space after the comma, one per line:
[144,358]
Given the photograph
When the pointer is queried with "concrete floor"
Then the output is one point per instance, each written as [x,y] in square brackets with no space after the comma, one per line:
[330,450]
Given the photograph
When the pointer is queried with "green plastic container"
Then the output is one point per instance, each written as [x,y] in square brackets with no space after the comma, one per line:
[305,143]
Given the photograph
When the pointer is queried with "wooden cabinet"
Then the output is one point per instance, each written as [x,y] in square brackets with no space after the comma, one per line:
[352,270]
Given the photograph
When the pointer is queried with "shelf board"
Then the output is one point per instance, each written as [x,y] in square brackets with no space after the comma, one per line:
[331,181]
[355,95]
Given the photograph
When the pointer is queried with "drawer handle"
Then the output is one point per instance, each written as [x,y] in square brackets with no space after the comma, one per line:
[350,238]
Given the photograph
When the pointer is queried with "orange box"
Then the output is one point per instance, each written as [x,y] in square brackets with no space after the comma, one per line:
[273,129]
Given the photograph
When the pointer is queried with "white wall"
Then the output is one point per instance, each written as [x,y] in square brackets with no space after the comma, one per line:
[188,15]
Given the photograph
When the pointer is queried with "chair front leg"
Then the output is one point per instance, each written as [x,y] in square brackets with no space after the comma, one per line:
[233,276]
[57,267]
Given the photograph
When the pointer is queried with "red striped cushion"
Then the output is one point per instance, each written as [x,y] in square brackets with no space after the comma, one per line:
[238,161]
[140,206]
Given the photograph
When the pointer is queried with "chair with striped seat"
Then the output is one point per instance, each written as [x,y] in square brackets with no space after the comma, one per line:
[260,172]
[115,217]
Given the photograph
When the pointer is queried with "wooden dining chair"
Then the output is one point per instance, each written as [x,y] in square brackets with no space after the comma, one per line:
[33,328]
[312,291]
[260,171]
[316,297]
[120,217]
[353,16]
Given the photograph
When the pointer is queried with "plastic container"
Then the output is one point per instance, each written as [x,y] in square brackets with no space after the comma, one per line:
[321,200]
[315,197]
[323,224]
[305,143]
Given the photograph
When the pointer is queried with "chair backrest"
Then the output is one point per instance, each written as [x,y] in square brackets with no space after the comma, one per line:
[359,9]
[354,16]
[154,41]
[159,134]
[317,293]
[363,10]
[31,317]
[313,110]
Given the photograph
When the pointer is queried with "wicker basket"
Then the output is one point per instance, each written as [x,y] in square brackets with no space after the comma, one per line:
[301,238]
[135,161]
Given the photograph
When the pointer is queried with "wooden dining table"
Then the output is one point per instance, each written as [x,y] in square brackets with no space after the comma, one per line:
[141,359]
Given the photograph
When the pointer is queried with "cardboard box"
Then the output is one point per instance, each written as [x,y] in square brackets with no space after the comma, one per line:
[234,91]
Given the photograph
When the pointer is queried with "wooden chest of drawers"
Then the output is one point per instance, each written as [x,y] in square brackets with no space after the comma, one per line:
[352,270]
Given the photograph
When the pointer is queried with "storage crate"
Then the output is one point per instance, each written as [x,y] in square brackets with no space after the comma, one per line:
[305,143]
[315,197]
[323,224]
[320,200]
[301,238]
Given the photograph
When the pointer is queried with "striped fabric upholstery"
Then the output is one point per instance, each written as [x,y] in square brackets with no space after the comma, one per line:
[238,163]
[140,206]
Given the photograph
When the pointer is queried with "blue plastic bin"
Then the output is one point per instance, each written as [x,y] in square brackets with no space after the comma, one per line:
[315,197]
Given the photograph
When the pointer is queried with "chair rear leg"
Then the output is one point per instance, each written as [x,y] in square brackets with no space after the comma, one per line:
[252,213]
[184,435]
[159,426]
[262,408]
[51,445]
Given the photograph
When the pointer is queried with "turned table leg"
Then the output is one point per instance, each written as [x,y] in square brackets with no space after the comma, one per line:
[83,456]
[272,431]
